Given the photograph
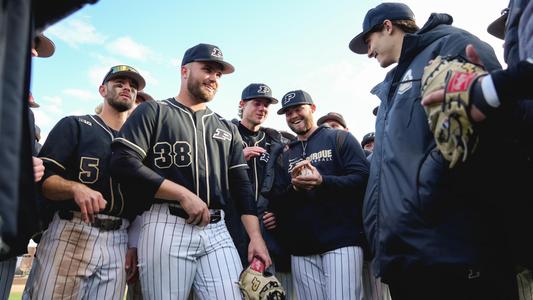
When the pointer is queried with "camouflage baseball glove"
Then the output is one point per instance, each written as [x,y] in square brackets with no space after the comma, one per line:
[257,285]
[450,120]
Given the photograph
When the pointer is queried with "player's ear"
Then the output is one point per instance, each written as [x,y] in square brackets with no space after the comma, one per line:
[184,72]
[313,108]
[103,90]
[241,104]
[387,24]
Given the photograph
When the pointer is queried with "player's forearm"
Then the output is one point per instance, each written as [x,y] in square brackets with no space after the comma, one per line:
[251,224]
[57,188]
[170,190]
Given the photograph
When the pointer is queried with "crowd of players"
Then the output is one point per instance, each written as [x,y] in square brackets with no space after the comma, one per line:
[174,200]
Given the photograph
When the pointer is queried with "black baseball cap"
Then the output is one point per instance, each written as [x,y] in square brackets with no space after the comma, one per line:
[206,52]
[332,116]
[376,16]
[125,71]
[369,137]
[258,90]
[294,98]
[497,27]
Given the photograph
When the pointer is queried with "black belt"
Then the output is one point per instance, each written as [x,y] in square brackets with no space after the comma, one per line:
[215,215]
[102,224]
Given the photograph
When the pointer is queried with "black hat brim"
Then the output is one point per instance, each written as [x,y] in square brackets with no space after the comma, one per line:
[227,68]
[141,83]
[44,46]
[497,28]
[358,45]
[325,118]
[271,99]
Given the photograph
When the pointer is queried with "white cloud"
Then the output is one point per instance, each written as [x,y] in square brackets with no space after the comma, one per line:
[127,47]
[76,32]
[77,94]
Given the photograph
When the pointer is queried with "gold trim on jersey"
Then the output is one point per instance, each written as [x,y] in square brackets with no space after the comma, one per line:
[122,198]
[128,143]
[237,166]
[112,195]
[54,162]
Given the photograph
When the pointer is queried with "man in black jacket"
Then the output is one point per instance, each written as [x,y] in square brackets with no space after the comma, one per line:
[429,226]
[317,197]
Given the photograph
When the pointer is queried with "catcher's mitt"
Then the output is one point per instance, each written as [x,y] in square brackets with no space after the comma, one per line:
[257,285]
[450,120]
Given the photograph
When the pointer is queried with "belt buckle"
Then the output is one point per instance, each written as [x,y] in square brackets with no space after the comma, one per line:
[106,224]
[215,216]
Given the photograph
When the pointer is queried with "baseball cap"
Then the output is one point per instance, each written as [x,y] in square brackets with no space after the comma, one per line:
[332,116]
[258,90]
[375,110]
[294,98]
[125,71]
[206,52]
[44,46]
[369,137]
[144,96]
[376,16]
[497,27]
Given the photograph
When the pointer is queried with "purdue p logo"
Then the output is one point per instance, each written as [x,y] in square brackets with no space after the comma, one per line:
[216,52]
[222,135]
[288,97]
[263,89]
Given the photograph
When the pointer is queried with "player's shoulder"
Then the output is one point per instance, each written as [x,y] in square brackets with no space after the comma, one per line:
[77,120]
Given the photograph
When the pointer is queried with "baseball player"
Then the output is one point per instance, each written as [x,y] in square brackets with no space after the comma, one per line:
[260,143]
[189,162]
[427,224]
[82,253]
[317,199]
[41,47]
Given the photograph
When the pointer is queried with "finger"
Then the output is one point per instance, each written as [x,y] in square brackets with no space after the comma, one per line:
[433,97]
[90,210]
[194,219]
[84,215]
[205,218]
[472,55]
[101,202]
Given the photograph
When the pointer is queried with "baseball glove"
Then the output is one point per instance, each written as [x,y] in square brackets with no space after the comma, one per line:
[257,285]
[450,120]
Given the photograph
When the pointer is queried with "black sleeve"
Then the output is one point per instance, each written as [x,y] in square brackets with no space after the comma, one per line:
[58,149]
[354,168]
[241,191]
[127,166]
[514,83]
[139,129]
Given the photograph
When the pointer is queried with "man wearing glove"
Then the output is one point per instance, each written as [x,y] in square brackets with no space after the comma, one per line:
[429,232]
[317,197]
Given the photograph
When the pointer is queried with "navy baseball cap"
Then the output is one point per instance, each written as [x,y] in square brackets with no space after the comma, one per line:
[125,71]
[369,137]
[376,16]
[332,116]
[206,52]
[258,90]
[294,98]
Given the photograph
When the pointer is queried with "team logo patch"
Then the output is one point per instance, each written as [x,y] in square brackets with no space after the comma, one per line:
[263,89]
[293,162]
[407,82]
[222,135]
[460,82]
[85,122]
[288,97]
[216,52]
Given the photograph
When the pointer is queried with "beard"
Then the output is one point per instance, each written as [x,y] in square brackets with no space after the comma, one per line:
[117,104]
[196,90]
[299,130]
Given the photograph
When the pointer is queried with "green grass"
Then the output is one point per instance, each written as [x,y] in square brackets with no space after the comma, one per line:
[15,296]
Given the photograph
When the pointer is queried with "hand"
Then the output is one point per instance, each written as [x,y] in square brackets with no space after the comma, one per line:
[195,208]
[300,168]
[131,265]
[38,168]
[308,182]
[269,219]
[438,95]
[90,202]
[257,248]
[250,152]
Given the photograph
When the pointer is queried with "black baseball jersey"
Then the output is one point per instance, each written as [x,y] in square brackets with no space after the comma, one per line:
[194,149]
[79,149]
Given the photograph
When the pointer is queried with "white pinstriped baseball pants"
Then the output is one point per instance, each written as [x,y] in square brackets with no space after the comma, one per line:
[335,274]
[77,261]
[7,273]
[175,256]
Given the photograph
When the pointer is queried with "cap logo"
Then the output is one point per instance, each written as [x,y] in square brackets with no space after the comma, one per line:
[288,97]
[216,52]
[263,89]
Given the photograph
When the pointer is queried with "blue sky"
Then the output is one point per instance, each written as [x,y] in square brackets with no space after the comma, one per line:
[286,44]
